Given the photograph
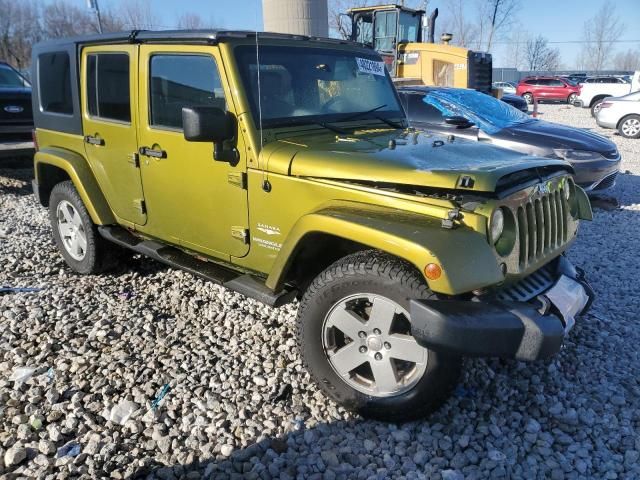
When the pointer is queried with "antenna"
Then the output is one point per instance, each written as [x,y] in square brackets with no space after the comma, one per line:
[266,186]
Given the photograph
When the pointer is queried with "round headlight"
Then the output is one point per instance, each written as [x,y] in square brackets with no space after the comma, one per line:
[496,226]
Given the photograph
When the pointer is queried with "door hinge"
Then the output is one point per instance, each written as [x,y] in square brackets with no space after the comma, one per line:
[239,179]
[134,159]
[140,205]
[240,233]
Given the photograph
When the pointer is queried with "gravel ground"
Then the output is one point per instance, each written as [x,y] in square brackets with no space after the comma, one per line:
[241,406]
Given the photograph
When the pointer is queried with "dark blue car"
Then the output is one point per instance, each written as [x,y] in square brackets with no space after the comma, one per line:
[16,117]
[477,116]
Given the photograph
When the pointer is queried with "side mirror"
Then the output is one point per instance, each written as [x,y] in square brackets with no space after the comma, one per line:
[458,121]
[208,124]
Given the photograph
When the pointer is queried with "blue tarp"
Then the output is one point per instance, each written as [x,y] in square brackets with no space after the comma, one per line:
[486,112]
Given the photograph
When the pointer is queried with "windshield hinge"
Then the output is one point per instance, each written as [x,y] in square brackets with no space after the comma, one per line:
[452,215]
[240,233]
[239,179]
[134,159]
[140,205]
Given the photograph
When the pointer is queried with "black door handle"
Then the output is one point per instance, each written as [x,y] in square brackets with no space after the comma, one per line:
[150,152]
[94,140]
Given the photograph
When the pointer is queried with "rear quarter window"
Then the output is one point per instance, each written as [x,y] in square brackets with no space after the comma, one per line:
[54,83]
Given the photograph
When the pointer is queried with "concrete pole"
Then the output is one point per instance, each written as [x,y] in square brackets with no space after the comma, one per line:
[298,17]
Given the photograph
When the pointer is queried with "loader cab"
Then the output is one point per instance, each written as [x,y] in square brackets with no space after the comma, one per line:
[384,27]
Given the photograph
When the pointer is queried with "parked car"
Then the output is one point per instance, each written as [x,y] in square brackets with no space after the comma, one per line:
[477,116]
[547,89]
[15,102]
[576,77]
[604,79]
[516,102]
[593,94]
[622,113]
[507,87]
[407,251]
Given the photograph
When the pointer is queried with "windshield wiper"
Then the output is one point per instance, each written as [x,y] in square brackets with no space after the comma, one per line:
[333,128]
[391,123]
[360,114]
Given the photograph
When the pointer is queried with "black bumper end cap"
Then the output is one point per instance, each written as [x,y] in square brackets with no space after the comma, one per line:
[483,329]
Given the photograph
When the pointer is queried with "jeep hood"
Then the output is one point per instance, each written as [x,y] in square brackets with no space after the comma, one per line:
[397,157]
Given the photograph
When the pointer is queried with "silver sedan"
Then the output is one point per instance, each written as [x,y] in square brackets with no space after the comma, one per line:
[621,113]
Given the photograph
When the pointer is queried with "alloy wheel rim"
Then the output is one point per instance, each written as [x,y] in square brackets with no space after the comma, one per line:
[71,229]
[367,340]
[631,127]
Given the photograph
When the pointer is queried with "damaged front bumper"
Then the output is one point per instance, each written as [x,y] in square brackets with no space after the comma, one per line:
[490,326]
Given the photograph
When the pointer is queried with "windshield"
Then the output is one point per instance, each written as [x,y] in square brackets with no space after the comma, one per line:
[309,85]
[10,78]
[487,112]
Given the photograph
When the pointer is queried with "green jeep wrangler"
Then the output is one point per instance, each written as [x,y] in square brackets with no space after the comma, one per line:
[282,168]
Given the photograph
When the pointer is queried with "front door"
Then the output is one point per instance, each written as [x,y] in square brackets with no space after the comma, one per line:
[191,199]
[109,111]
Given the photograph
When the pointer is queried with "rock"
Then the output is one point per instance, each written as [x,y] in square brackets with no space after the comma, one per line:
[46,447]
[226,450]
[15,455]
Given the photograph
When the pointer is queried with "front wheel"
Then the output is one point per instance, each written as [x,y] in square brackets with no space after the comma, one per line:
[354,331]
[595,108]
[528,97]
[630,126]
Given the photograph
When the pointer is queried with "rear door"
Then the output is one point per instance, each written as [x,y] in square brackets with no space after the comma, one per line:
[558,90]
[108,116]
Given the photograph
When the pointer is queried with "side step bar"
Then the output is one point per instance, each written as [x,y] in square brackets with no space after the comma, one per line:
[245,284]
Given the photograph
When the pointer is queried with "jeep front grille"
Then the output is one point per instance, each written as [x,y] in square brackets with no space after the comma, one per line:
[542,226]
[531,286]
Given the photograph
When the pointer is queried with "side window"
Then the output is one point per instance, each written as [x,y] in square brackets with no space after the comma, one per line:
[178,81]
[557,83]
[532,82]
[108,86]
[418,111]
[54,72]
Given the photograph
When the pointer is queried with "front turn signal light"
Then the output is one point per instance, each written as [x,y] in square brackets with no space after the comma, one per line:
[432,271]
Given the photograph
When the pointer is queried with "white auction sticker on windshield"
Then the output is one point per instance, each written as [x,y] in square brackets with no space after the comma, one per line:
[370,66]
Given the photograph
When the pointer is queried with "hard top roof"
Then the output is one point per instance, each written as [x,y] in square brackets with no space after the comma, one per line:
[205,36]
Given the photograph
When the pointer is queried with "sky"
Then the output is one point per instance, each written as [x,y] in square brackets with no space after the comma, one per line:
[557,20]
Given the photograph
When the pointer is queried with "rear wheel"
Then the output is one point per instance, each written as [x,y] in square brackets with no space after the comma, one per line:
[355,335]
[595,108]
[572,98]
[77,238]
[528,97]
[630,126]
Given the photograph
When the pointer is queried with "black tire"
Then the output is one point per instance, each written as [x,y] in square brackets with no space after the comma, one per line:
[99,254]
[596,106]
[528,97]
[379,274]
[621,126]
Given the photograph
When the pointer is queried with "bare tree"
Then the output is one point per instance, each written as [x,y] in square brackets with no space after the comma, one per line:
[138,14]
[516,45]
[466,33]
[63,19]
[599,35]
[20,28]
[539,56]
[190,21]
[628,61]
[501,15]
